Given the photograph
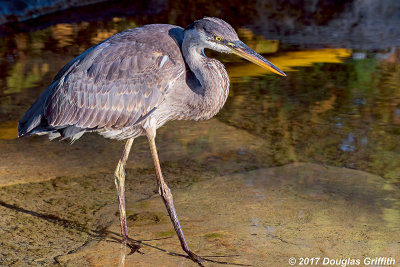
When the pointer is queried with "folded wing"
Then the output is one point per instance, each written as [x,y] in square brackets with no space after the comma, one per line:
[114,86]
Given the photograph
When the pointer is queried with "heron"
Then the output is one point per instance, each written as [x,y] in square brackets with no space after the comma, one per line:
[132,83]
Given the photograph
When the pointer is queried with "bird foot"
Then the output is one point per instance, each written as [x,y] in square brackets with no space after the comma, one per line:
[133,245]
[194,257]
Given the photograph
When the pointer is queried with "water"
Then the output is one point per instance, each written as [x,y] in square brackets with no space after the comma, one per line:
[339,107]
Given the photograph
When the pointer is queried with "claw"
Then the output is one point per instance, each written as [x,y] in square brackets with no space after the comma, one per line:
[194,257]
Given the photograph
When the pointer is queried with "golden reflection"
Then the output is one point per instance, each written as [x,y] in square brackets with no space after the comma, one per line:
[324,105]
[289,60]
[21,41]
[257,42]
[8,130]
[63,33]
[321,107]
[103,34]
[37,45]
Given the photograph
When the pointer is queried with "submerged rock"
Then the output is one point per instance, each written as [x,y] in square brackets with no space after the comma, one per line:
[263,218]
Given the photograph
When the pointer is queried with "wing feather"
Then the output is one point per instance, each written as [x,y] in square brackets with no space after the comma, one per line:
[69,112]
[116,83]
[89,122]
[99,117]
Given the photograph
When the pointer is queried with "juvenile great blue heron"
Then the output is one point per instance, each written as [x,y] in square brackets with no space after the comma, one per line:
[132,83]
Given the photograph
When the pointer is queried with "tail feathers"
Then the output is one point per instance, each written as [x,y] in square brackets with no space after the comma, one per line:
[38,125]
[69,131]
[72,132]
[34,122]
[32,118]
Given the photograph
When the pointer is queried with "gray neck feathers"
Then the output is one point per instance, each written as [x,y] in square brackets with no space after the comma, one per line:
[214,81]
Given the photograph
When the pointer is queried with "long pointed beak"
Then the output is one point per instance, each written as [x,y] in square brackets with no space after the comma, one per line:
[241,49]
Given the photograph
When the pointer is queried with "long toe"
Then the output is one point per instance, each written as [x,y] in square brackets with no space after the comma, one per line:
[194,257]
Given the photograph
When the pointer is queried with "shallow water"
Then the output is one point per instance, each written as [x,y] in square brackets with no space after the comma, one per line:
[338,109]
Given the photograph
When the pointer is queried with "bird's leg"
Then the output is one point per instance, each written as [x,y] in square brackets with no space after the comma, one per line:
[166,194]
[120,184]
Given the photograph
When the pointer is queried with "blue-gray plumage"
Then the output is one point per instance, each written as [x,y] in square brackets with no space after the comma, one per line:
[134,82]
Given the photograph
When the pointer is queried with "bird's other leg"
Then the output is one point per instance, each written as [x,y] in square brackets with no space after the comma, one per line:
[166,194]
[120,184]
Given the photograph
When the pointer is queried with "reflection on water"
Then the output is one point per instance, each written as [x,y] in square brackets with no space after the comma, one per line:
[338,106]
[289,60]
[343,114]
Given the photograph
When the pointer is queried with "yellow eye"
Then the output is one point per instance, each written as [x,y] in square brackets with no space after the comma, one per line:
[219,39]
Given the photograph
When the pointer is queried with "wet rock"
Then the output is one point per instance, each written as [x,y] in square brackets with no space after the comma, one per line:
[263,218]
[146,218]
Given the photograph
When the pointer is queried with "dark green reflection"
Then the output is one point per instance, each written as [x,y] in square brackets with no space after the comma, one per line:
[343,114]
[336,114]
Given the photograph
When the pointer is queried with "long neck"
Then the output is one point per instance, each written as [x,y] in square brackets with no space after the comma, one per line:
[213,90]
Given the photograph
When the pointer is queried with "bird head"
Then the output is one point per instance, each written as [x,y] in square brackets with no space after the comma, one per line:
[218,35]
